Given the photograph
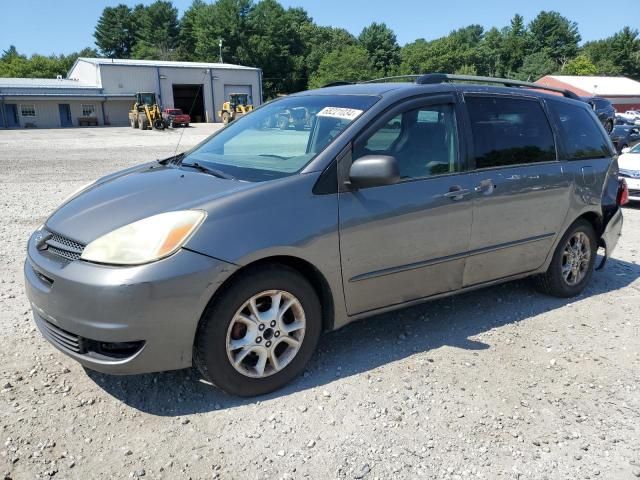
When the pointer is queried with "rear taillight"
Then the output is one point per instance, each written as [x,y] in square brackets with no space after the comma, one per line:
[623,192]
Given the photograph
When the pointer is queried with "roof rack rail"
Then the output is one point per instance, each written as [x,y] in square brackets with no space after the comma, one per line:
[432,78]
[339,83]
[385,79]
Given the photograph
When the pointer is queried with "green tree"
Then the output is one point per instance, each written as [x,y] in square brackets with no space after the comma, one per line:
[188,25]
[555,36]
[276,45]
[350,63]
[514,45]
[462,47]
[535,66]
[226,20]
[319,41]
[489,54]
[13,64]
[115,32]
[157,31]
[581,65]
[625,46]
[616,55]
[382,47]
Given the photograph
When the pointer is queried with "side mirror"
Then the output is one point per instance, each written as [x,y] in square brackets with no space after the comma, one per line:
[625,150]
[374,171]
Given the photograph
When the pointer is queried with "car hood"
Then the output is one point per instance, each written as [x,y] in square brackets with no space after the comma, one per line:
[134,194]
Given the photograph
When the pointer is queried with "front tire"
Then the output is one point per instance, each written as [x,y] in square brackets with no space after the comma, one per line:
[259,333]
[572,263]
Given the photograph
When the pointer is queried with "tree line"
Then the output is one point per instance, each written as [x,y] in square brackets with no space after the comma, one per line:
[295,53]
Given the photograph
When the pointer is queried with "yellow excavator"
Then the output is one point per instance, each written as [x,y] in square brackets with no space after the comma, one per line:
[146,113]
[237,106]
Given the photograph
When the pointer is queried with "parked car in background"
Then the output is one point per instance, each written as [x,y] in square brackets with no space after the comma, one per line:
[604,111]
[236,255]
[621,120]
[630,116]
[629,164]
[174,117]
[624,136]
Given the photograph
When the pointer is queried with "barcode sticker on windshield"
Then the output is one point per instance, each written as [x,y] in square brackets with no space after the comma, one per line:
[339,112]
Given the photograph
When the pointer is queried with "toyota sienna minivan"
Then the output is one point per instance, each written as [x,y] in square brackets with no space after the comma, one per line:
[237,254]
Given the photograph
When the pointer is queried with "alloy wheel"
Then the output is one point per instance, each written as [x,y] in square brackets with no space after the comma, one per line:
[266,333]
[576,258]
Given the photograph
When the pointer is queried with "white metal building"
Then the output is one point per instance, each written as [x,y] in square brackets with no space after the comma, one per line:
[622,92]
[103,89]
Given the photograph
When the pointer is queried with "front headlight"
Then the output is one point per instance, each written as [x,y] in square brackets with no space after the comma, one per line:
[146,240]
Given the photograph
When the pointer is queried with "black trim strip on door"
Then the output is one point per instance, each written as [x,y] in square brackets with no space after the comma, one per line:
[448,258]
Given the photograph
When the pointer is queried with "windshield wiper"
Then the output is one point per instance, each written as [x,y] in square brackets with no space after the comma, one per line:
[211,171]
[171,160]
[279,157]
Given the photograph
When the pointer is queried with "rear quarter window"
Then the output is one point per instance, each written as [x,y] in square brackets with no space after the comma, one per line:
[509,131]
[580,132]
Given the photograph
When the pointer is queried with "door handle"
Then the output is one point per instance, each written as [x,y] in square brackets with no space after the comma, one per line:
[456,192]
[486,187]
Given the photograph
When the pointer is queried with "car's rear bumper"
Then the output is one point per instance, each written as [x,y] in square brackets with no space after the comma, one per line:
[612,232]
[122,320]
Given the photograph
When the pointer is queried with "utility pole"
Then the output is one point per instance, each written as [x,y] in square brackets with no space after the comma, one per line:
[220,46]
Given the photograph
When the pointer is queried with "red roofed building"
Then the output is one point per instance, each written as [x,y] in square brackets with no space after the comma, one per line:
[622,92]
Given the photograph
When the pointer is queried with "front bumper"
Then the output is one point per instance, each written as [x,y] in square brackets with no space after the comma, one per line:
[151,311]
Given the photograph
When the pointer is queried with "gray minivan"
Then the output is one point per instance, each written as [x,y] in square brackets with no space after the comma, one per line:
[237,254]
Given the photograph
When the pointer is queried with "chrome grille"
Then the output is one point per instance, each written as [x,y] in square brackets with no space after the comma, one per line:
[64,247]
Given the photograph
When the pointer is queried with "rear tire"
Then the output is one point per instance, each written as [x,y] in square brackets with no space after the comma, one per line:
[572,263]
[230,321]
[133,122]
[225,118]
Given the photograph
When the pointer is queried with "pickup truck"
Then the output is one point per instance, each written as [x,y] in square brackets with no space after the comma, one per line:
[174,117]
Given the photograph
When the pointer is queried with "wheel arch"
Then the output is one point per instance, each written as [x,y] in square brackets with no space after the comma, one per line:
[304,268]
[596,222]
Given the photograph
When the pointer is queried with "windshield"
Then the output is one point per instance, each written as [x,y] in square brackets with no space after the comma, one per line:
[635,149]
[281,137]
[174,111]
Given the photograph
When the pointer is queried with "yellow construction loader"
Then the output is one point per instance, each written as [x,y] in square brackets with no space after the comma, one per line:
[237,106]
[146,113]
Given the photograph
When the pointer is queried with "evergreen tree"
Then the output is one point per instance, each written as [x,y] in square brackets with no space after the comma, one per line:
[382,48]
[115,32]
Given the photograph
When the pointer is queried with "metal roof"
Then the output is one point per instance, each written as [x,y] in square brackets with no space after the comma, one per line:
[51,83]
[52,87]
[601,86]
[161,63]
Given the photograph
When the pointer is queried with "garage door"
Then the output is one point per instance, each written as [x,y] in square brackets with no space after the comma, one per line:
[229,89]
[116,112]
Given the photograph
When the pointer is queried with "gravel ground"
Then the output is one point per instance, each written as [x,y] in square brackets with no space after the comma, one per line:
[499,383]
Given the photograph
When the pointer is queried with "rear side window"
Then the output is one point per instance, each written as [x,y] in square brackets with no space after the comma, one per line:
[581,134]
[509,131]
